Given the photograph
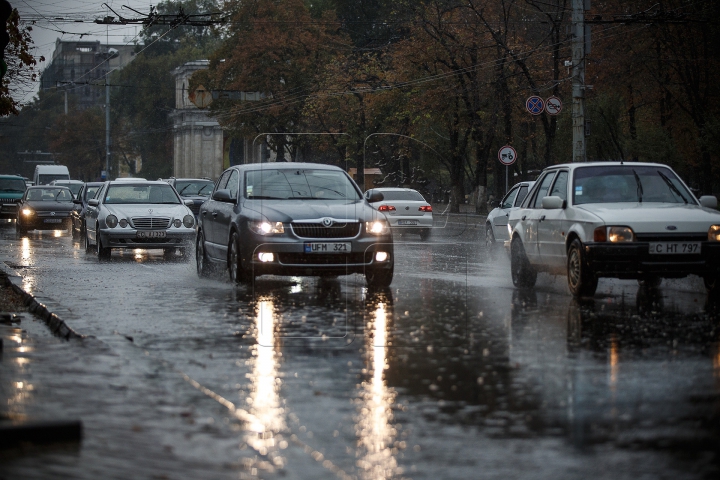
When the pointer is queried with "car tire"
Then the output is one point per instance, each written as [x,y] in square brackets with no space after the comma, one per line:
[523,274]
[424,234]
[238,274]
[102,252]
[651,281]
[379,277]
[201,260]
[581,280]
[19,229]
[88,247]
[73,234]
[489,236]
[712,285]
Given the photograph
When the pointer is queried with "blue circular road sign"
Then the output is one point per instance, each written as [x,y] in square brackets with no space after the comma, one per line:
[535,105]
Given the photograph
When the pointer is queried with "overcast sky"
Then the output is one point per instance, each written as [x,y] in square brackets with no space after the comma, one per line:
[69,19]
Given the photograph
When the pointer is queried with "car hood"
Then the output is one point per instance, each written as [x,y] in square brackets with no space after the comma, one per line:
[50,206]
[655,217]
[142,210]
[297,210]
[195,198]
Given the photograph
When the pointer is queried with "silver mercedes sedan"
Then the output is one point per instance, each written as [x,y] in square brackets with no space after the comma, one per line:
[138,214]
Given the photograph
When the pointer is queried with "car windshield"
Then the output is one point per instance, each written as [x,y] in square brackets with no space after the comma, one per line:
[299,184]
[407,195]
[91,191]
[49,194]
[628,184]
[195,187]
[12,185]
[74,187]
[139,193]
[46,179]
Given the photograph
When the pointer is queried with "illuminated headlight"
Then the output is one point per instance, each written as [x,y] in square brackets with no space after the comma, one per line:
[188,221]
[714,233]
[177,222]
[381,256]
[28,211]
[266,228]
[620,234]
[123,223]
[266,257]
[378,227]
[111,221]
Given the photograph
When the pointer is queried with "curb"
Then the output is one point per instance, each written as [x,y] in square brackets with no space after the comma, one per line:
[56,324]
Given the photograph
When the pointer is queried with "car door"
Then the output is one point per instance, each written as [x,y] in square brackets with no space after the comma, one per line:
[91,215]
[531,217]
[225,212]
[77,209]
[500,220]
[208,214]
[552,225]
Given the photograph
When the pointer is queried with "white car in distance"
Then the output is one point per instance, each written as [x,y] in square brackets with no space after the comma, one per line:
[405,209]
[617,220]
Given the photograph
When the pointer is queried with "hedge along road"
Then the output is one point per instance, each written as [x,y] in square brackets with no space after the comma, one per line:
[448,373]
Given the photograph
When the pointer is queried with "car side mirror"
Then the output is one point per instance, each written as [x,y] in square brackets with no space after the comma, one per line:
[709,201]
[188,202]
[375,197]
[223,195]
[93,202]
[77,201]
[553,203]
[494,203]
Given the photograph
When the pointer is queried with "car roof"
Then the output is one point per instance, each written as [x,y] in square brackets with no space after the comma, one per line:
[39,187]
[394,189]
[11,176]
[65,181]
[599,164]
[192,179]
[131,179]
[287,165]
[136,180]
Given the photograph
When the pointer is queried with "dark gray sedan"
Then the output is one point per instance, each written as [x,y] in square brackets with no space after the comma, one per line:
[301,219]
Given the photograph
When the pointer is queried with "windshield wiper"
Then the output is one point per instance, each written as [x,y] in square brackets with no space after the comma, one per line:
[639,186]
[203,188]
[264,197]
[183,188]
[672,185]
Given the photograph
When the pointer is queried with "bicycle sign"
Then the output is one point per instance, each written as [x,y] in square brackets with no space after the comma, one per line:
[535,105]
[553,105]
[507,155]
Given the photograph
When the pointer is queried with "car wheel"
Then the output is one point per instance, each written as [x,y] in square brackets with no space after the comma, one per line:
[651,281]
[88,247]
[489,236]
[203,267]
[712,285]
[523,274]
[581,280]
[424,234]
[72,230]
[237,273]
[102,252]
[19,228]
[378,277]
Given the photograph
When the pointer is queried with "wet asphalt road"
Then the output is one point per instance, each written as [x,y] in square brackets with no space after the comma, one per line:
[450,373]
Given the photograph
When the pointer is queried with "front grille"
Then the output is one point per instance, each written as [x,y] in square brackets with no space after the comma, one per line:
[671,237]
[57,214]
[318,230]
[9,200]
[150,223]
[324,259]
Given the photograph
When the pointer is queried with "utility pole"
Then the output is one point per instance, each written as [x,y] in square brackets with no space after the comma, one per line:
[107,106]
[578,78]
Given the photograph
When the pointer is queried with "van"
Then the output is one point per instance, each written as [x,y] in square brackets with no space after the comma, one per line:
[44,174]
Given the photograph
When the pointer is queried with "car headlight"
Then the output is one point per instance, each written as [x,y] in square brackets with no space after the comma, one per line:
[614,234]
[123,223]
[177,222]
[266,228]
[28,211]
[714,233]
[377,227]
[111,221]
[188,221]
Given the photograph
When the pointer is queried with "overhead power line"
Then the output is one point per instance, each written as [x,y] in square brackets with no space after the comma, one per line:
[155,18]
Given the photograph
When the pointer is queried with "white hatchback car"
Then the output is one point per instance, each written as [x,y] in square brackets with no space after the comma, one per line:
[406,210]
[614,219]
[496,223]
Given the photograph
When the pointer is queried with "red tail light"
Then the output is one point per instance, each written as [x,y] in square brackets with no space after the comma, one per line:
[426,208]
[386,208]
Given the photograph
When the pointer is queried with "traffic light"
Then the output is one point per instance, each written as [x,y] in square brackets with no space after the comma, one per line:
[5,12]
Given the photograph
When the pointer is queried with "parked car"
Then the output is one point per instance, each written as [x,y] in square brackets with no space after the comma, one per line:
[87,192]
[12,188]
[406,210]
[196,189]
[619,220]
[138,214]
[44,208]
[293,219]
[496,223]
[73,185]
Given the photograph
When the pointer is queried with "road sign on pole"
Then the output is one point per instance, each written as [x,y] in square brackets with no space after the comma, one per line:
[507,155]
[553,105]
[535,105]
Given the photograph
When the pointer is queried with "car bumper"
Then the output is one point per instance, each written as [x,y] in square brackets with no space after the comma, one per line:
[290,257]
[44,223]
[635,261]
[8,210]
[127,238]
[401,223]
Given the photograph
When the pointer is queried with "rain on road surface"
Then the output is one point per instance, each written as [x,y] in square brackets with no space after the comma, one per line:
[450,373]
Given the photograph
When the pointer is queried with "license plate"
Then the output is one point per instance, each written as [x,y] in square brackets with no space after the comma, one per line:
[151,234]
[53,220]
[407,222]
[322,247]
[670,248]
